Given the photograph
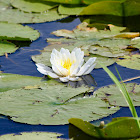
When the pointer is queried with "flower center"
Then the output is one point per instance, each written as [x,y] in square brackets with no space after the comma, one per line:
[67,64]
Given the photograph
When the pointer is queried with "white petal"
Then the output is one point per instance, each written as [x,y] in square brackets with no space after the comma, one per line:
[43,69]
[73,78]
[90,69]
[63,70]
[53,75]
[64,79]
[39,65]
[75,68]
[86,66]
[56,70]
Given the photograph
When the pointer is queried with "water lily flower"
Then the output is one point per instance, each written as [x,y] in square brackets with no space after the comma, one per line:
[67,66]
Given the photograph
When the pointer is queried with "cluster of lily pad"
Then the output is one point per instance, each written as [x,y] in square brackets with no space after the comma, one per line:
[11,31]
[107,45]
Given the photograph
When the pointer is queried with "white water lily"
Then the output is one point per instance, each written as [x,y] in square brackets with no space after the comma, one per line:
[67,66]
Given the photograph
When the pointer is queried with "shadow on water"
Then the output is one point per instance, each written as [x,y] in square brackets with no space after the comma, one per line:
[131,22]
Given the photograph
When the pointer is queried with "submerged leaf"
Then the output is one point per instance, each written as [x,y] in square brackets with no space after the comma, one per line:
[131,62]
[32,136]
[114,97]
[7,47]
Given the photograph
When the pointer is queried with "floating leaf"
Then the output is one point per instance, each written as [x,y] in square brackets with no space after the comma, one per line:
[126,128]
[108,52]
[114,97]
[6,14]
[109,43]
[32,136]
[70,9]
[136,42]
[52,103]
[14,81]
[131,62]
[33,5]
[5,1]
[132,7]
[104,8]
[7,47]
[66,1]
[11,31]
[105,60]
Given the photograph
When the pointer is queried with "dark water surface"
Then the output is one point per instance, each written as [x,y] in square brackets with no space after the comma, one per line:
[20,63]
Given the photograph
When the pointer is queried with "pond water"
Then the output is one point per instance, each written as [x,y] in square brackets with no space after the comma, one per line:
[20,63]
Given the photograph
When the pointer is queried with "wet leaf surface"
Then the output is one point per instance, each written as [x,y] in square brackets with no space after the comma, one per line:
[131,61]
[7,47]
[126,128]
[114,96]
[49,102]
[31,136]
[11,31]
[33,5]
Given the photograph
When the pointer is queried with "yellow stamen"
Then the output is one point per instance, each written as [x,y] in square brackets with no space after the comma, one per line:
[67,64]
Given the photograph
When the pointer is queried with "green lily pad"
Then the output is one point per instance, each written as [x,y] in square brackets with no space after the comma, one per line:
[126,128]
[44,58]
[5,1]
[12,31]
[136,42]
[131,62]
[52,103]
[108,52]
[7,47]
[66,1]
[109,43]
[105,60]
[32,5]
[14,81]
[6,15]
[114,97]
[70,9]
[32,136]
[104,7]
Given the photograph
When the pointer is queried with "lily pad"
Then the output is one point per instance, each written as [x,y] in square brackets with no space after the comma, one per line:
[12,31]
[136,42]
[5,1]
[109,43]
[70,9]
[104,8]
[105,60]
[114,97]
[131,62]
[31,136]
[14,81]
[6,15]
[126,128]
[7,47]
[33,5]
[52,103]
